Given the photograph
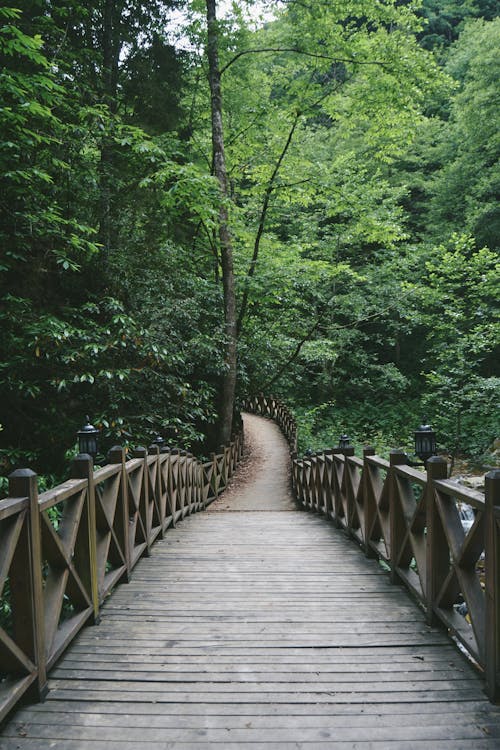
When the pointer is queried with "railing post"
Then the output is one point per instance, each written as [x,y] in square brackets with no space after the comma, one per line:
[397,525]
[327,485]
[144,509]
[82,467]
[369,510]
[293,458]
[313,482]
[318,491]
[337,506]
[190,482]
[437,554]
[184,473]
[156,493]
[175,493]
[492,583]
[229,463]
[349,505]
[117,456]
[30,630]
[241,444]
[311,468]
[215,475]
[199,485]
[167,484]
[194,484]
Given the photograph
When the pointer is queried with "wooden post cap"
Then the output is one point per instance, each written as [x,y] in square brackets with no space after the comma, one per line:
[116,454]
[492,486]
[437,467]
[20,482]
[22,473]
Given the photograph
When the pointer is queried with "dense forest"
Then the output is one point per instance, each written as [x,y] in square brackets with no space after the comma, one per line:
[201,201]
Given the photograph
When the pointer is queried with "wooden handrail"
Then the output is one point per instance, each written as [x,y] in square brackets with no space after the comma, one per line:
[62,552]
[410,521]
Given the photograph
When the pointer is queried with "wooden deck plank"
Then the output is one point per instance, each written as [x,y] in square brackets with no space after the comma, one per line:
[214,676]
[201,744]
[261,628]
[257,720]
[91,734]
[407,712]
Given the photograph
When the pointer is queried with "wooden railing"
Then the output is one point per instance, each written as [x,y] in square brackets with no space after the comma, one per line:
[410,521]
[61,552]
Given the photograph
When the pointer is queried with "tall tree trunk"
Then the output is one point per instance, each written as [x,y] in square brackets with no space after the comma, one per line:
[226,249]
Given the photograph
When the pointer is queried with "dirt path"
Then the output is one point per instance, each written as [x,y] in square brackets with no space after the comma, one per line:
[262,481]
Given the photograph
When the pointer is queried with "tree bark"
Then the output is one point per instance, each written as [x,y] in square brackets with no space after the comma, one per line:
[226,249]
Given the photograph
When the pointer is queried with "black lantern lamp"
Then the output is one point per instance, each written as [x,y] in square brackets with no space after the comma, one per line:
[159,441]
[344,441]
[425,442]
[88,438]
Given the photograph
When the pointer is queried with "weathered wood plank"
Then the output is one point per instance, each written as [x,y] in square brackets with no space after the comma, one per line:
[213,675]
[479,709]
[255,716]
[201,744]
[256,735]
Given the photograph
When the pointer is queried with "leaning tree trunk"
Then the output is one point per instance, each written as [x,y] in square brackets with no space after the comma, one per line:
[226,249]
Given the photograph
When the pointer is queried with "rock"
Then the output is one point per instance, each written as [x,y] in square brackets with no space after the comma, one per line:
[469,480]
[475,483]
[495,447]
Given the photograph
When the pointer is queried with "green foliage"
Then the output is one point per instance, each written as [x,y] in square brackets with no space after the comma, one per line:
[361,166]
[466,189]
[452,170]
[444,20]
[381,426]
[5,611]
[118,332]
[463,379]
[34,229]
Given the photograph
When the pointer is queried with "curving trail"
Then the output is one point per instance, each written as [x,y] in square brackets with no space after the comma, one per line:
[263,478]
[252,626]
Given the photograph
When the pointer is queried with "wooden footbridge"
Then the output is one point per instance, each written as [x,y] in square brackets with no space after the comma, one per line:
[253,624]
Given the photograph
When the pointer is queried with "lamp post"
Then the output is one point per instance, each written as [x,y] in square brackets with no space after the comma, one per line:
[425,442]
[88,438]
[344,441]
[159,441]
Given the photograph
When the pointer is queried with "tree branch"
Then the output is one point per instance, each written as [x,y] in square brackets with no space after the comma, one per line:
[265,205]
[296,51]
[211,242]
[244,130]
[294,356]
[307,337]
[262,220]
[292,184]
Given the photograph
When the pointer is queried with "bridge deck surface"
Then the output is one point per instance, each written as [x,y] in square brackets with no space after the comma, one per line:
[256,625]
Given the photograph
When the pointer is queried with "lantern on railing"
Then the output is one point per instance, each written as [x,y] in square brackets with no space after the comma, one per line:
[425,442]
[344,441]
[159,441]
[88,439]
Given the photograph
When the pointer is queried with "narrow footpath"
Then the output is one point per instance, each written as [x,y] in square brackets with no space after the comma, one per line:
[256,625]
